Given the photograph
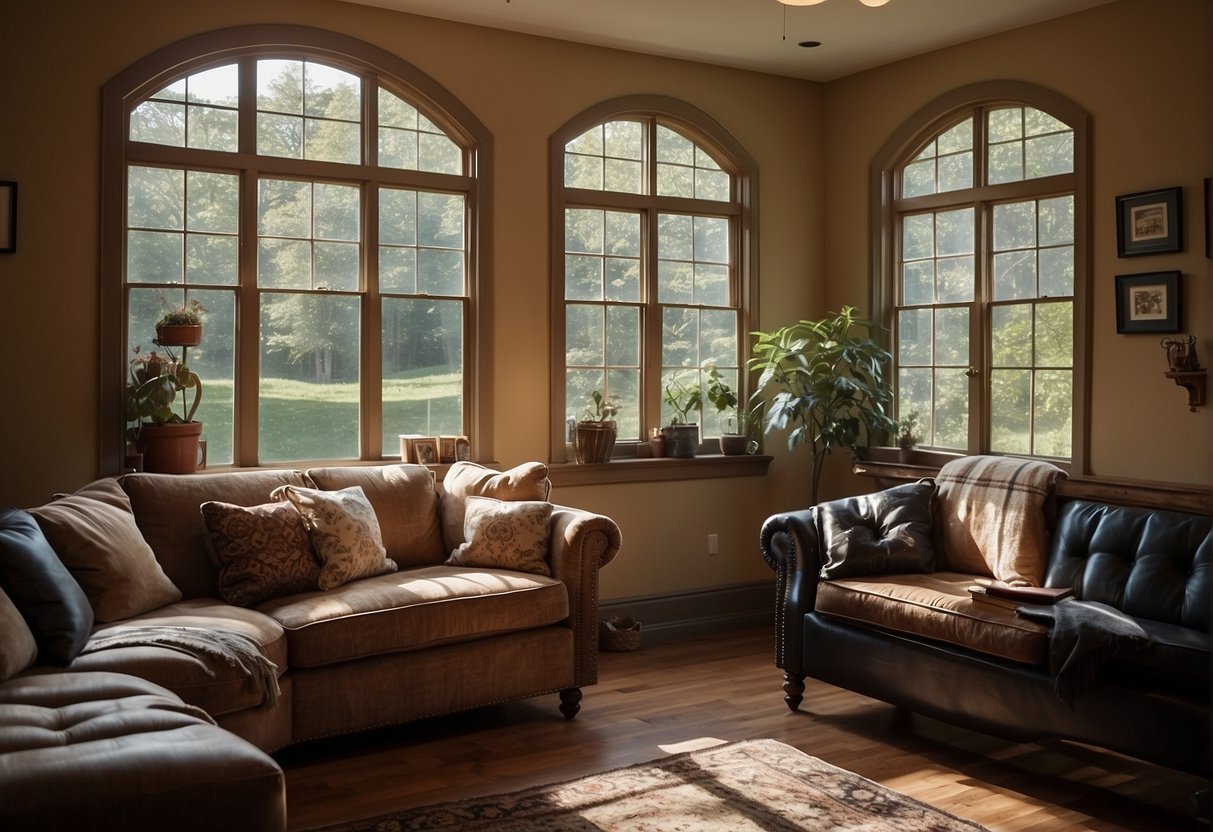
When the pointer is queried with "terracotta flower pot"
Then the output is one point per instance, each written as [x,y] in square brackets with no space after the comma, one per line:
[171,448]
[183,335]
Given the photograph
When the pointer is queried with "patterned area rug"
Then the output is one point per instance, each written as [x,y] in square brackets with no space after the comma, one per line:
[739,787]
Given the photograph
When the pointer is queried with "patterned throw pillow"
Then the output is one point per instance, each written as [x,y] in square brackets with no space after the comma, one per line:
[345,532]
[528,481]
[505,535]
[262,551]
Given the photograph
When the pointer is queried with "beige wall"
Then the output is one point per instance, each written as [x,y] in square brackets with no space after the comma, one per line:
[1141,69]
[56,56]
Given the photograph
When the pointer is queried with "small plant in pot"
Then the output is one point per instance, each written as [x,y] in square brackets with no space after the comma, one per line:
[594,437]
[909,434]
[681,434]
[168,441]
[733,440]
[181,327]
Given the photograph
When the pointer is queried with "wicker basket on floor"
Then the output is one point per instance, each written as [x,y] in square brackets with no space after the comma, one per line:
[618,634]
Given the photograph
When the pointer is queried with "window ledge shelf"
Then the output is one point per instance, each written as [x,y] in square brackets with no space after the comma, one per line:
[702,467]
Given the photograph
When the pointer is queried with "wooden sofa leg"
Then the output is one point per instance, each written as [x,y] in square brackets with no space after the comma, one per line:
[793,688]
[570,702]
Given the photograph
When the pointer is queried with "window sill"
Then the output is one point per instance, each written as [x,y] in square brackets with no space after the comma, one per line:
[702,467]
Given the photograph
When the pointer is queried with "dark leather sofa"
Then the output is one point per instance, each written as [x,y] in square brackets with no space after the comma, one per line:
[1152,704]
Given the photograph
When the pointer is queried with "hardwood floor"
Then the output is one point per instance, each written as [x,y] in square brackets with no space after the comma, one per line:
[726,687]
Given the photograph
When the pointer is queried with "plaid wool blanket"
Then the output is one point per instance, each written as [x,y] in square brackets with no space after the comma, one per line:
[992,517]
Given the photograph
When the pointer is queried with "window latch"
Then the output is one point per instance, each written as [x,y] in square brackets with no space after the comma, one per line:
[972,372]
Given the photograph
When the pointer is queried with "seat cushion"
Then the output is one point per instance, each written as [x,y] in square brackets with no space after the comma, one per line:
[935,606]
[1175,654]
[205,681]
[414,609]
[104,751]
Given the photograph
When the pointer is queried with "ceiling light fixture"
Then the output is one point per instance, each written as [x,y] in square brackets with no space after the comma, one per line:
[872,3]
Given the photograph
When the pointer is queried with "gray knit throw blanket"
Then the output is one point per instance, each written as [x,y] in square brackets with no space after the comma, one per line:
[233,649]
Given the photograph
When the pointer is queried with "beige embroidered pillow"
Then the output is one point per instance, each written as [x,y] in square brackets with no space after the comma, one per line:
[345,532]
[505,535]
[528,481]
[262,551]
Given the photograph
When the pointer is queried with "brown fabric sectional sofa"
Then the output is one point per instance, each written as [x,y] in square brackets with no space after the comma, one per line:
[147,715]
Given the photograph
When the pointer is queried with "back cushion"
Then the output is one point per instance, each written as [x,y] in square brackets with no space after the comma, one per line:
[167,509]
[528,481]
[405,503]
[1147,563]
[18,650]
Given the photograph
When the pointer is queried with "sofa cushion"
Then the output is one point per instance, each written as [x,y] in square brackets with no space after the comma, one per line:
[205,681]
[103,751]
[992,517]
[166,509]
[94,533]
[405,502]
[528,481]
[936,606]
[878,534]
[414,609]
[505,535]
[18,650]
[51,602]
[261,551]
[345,532]
[1175,655]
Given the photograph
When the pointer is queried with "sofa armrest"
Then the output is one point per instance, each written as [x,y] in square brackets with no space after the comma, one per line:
[582,543]
[789,545]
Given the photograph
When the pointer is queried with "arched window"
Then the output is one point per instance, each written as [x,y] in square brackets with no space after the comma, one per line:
[983,270]
[323,200]
[651,263]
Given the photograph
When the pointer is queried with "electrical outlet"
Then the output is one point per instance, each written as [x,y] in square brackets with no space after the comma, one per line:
[713,544]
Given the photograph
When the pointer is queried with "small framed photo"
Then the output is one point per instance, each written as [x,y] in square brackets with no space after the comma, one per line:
[463,449]
[425,450]
[406,446]
[1150,222]
[8,217]
[1148,302]
[446,448]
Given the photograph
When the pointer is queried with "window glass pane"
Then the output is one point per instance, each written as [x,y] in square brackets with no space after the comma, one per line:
[1011,335]
[622,336]
[956,138]
[918,178]
[214,202]
[1005,124]
[717,337]
[915,392]
[155,198]
[623,175]
[308,390]
[285,208]
[1055,335]
[674,147]
[1014,225]
[1015,275]
[711,284]
[582,277]
[956,172]
[212,258]
[711,239]
[1056,220]
[279,135]
[582,172]
[331,93]
[954,232]
[336,212]
[918,237]
[1049,155]
[438,154]
[397,217]
[955,279]
[280,86]
[1053,413]
[952,337]
[1056,272]
[622,140]
[211,128]
[1010,411]
[159,122]
[583,230]
[712,184]
[673,180]
[623,390]
[590,142]
[679,337]
[918,283]
[1005,163]
[440,220]
[585,341]
[927,152]
[422,368]
[1037,122]
[951,418]
[914,337]
[154,257]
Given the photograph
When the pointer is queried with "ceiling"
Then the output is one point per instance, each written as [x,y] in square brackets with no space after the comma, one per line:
[750,34]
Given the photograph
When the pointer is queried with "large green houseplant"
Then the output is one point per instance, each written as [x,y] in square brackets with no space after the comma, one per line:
[826,384]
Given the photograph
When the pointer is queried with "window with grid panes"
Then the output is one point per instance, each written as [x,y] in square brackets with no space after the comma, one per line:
[649,276]
[984,283]
[327,222]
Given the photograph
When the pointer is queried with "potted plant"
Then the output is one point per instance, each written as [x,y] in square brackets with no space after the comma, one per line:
[732,436]
[828,384]
[181,327]
[908,434]
[167,441]
[681,434]
[594,437]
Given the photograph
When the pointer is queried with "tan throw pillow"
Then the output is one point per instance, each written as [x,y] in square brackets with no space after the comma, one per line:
[345,532]
[528,481]
[94,533]
[405,503]
[18,650]
[505,535]
[262,551]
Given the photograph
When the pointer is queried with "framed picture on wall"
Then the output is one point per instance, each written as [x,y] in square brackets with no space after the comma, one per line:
[1148,302]
[1150,222]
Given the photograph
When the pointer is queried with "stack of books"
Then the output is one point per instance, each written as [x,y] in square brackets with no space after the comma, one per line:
[1010,597]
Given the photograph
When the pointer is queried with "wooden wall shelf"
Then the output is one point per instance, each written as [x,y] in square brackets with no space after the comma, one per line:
[1194,381]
